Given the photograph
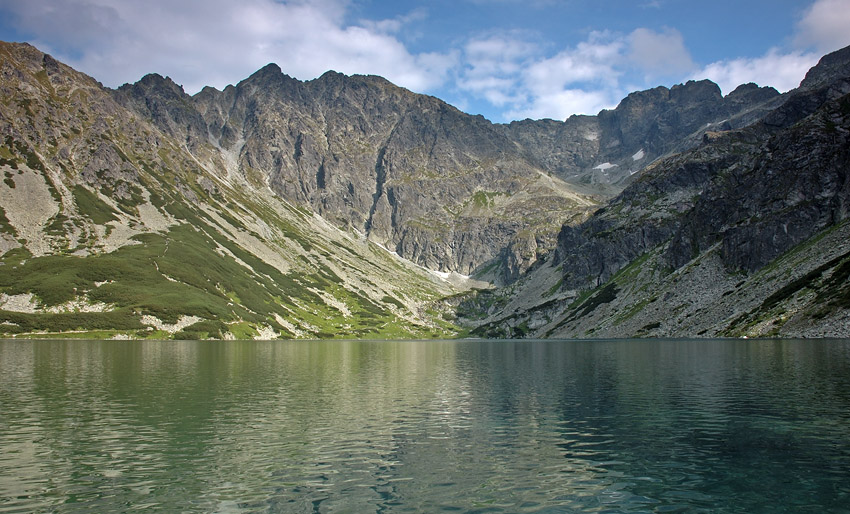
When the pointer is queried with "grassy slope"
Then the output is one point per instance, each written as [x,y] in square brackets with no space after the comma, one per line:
[195,269]
[228,252]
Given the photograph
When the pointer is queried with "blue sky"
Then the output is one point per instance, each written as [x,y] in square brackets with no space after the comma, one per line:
[505,59]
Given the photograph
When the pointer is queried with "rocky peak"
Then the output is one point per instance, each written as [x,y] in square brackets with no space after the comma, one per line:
[269,77]
[154,82]
[751,93]
[830,68]
[695,92]
[164,102]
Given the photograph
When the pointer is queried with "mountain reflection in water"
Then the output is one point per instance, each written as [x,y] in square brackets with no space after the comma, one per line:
[368,426]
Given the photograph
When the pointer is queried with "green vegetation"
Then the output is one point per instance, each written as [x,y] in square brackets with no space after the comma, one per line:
[555,288]
[605,295]
[828,283]
[91,206]
[117,321]
[5,225]
[486,199]
[181,273]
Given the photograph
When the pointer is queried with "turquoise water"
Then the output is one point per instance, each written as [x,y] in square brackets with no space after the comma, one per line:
[425,426]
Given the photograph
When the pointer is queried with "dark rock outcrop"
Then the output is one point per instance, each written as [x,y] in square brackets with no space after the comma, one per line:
[445,189]
[450,191]
[718,215]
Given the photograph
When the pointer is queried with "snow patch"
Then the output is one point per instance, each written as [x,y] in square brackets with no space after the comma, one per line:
[640,154]
[604,166]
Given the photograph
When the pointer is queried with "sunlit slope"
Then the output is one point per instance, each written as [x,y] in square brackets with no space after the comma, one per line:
[109,227]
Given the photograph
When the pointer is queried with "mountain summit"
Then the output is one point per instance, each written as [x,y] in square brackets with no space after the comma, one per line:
[347,206]
[744,235]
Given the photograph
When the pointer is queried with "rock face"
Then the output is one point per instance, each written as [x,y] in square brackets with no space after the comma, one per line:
[441,188]
[711,224]
[449,191]
[118,226]
[603,152]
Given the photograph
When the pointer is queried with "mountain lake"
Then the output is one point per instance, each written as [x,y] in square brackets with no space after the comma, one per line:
[719,426]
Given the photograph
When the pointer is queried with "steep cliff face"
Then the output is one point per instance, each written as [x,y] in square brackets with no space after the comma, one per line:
[702,242]
[449,191]
[602,153]
[441,188]
[111,227]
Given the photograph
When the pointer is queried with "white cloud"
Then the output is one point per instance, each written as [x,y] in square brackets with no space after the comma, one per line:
[217,42]
[659,53]
[783,71]
[825,26]
[560,104]
[591,61]
[822,27]
[515,74]
[493,67]
[578,80]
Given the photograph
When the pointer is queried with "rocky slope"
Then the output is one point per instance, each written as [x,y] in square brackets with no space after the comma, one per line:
[443,189]
[349,207]
[449,191]
[601,153]
[110,228]
[746,234]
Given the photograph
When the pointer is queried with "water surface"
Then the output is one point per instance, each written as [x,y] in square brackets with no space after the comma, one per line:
[457,426]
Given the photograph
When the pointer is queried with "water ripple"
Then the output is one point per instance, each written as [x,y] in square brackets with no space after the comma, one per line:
[473,426]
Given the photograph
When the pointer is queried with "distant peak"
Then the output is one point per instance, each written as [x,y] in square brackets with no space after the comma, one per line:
[269,72]
[155,80]
[751,91]
[831,67]
[270,68]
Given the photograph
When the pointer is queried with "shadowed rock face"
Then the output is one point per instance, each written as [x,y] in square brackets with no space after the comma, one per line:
[444,189]
[757,190]
[736,221]
[449,191]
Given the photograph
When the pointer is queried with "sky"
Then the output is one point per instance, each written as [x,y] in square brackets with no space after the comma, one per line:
[504,59]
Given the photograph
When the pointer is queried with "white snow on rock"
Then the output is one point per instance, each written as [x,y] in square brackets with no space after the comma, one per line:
[640,154]
[604,166]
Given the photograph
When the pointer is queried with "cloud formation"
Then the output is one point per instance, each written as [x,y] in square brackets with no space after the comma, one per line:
[217,42]
[825,26]
[507,74]
[783,71]
[517,75]
[662,53]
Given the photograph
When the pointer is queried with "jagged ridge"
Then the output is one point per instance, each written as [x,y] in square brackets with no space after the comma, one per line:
[744,235]
[109,227]
[449,191]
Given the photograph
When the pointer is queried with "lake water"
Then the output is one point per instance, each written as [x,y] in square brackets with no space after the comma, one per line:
[425,426]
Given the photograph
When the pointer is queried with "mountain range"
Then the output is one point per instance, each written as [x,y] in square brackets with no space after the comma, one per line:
[346,206]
